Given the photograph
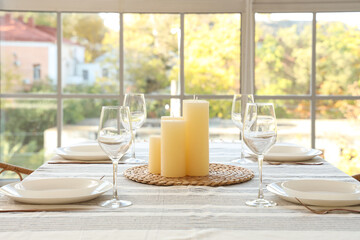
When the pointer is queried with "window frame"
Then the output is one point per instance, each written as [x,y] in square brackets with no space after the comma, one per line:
[247,9]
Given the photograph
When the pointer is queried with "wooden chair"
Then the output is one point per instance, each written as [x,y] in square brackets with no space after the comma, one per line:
[16,169]
[356,176]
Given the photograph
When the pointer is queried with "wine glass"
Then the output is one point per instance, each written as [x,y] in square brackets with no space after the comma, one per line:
[260,133]
[115,137]
[237,116]
[137,106]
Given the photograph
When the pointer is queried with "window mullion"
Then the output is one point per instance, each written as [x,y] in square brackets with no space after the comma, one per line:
[313,83]
[247,50]
[182,60]
[121,59]
[59,120]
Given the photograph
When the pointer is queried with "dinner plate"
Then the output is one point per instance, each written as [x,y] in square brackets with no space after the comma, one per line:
[290,152]
[56,190]
[322,189]
[84,151]
[277,189]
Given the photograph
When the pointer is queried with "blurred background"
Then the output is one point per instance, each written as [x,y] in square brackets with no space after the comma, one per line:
[93,75]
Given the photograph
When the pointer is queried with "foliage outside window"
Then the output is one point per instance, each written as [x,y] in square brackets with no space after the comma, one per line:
[152,45]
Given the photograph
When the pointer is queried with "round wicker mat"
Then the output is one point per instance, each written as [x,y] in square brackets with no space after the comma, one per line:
[219,175]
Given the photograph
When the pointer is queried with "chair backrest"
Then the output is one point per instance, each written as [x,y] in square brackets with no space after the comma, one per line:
[356,176]
[16,169]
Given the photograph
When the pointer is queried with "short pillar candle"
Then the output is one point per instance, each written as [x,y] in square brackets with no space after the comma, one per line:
[196,116]
[173,147]
[155,154]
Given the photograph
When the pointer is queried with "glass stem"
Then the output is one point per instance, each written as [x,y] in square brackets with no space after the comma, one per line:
[242,145]
[115,170]
[260,162]
[133,145]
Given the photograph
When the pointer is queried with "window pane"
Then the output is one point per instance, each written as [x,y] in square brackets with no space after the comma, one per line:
[28,52]
[338,133]
[24,126]
[293,118]
[220,124]
[151,51]
[293,121]
[155,110]
[81,119]
[90,48]
[283,53]
[212,53]
[337,53]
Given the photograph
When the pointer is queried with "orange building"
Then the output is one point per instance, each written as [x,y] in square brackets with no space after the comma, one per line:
[28,53]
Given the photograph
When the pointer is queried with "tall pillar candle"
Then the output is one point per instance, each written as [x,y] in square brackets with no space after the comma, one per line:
[196,116]
[155,154]
[173,162]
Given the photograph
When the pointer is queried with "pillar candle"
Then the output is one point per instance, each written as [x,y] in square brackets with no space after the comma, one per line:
[155,154]
[173,147]
[196,116]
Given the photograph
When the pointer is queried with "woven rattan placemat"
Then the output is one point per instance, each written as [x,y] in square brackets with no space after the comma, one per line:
[219,175]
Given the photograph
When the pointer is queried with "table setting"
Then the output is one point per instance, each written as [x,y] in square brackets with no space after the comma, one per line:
[290,153]
[184,183]
[56,190]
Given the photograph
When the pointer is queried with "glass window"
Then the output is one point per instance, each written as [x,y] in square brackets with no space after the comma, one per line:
[283,53]
[212,53]
[37,71]
[28,41]
[81,119]
[337,53]
[85,74]
[105,72]
[293,121]
[27,127]
[151,52]
[338,133]
[220,124]
[90,43]
[155,110]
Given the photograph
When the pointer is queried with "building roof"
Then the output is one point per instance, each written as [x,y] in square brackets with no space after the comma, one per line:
[15,29]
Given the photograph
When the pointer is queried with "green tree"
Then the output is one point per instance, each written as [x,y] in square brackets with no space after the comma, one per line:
[338,68]
[22,125]
[151,52]
[212,53]
[283,58]
[86,29]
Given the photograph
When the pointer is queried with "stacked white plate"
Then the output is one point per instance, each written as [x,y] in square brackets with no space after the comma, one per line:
[318,192]
[83,151]
[56,190]
[290,152]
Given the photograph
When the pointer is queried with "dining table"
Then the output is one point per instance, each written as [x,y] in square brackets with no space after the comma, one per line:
[180,211]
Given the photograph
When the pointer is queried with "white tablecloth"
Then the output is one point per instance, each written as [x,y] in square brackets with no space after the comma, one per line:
[184,212]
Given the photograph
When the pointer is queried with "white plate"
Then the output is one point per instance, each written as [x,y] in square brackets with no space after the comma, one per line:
[290,152]
[322,189]
[56,190]
[57,187]
[276,189]
[85,151]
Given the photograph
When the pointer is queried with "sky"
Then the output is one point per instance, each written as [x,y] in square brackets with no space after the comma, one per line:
[111,20]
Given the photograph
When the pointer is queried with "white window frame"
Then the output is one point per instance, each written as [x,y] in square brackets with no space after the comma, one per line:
[247,9]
